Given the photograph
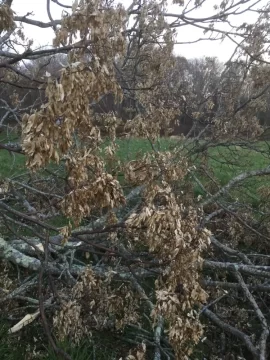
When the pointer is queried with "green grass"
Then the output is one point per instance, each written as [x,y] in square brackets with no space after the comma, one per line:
[10,164]
[31,343]
[130,148]
[226,162]
[230,162]
[100,347]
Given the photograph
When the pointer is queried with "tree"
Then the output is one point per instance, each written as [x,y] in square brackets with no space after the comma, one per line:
[135,240]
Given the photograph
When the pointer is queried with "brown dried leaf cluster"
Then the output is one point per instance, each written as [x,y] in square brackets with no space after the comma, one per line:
[158,120]
[49,133]
[103,192]
[64,128]
[171,232]
[154,166]
[98,25]
[6,18]
[96,304]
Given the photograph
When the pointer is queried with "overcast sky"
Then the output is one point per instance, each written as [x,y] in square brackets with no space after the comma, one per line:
[205,48]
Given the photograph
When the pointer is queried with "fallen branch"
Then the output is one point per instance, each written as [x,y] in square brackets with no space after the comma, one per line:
[262,271]
[8,253]
[12,148]
[235,181]
[20,290]
[258,312]
[233,331]
[230,285]
[160,321]
[230,251]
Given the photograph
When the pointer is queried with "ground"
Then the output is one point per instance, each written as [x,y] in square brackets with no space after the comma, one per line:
[227,162]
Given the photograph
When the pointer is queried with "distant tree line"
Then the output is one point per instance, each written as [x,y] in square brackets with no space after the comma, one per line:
[197,89]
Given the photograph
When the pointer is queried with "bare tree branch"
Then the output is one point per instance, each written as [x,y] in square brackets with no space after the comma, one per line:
[233,331]
[258,312]
[238,179]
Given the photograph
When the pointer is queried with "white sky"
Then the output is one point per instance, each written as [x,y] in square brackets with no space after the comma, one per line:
[205,48]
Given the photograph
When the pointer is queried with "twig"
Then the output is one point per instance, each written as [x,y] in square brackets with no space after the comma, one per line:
[213,303]
[258,312]
[230,251]
[160,321]
[262,271]
[23,288]
[235,181]
[232,330]
[57,350]
[230,285]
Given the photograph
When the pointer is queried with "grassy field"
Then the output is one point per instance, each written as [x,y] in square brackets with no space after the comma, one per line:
[10,164]
[226,162]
